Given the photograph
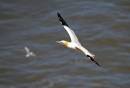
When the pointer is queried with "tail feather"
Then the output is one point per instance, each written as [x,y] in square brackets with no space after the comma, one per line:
[63,22]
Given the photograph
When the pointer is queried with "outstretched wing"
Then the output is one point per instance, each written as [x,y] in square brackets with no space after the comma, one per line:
[71,33]
[88,54]
[27,49]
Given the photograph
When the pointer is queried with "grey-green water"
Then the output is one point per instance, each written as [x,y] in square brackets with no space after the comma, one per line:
[103,27]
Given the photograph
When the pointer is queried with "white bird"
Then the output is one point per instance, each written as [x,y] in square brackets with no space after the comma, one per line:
[74,44]
[28,52]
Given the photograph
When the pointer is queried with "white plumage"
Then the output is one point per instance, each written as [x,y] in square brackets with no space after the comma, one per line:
[28,52]
[74,44]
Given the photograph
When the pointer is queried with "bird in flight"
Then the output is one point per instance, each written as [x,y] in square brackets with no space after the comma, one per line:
[74,44]
[28,52]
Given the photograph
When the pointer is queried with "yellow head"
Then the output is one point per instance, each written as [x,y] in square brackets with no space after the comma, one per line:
[63,42]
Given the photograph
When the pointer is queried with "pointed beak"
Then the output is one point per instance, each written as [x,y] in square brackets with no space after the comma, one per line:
[58,41]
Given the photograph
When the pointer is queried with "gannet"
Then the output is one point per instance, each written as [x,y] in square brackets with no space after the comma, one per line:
[74,44]
[28,52]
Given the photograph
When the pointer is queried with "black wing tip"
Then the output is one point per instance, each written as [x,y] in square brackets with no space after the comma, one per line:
[58,14]
[95,62]
[92,59]
[61,19]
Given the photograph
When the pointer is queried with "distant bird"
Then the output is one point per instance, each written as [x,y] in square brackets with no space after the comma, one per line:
[28,52]
[74,44]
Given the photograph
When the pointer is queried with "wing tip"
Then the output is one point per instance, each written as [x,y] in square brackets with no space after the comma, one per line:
[63,22]
[58,14]
[92,59]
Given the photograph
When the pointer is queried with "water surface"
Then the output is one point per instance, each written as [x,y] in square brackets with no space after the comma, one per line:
[103,26]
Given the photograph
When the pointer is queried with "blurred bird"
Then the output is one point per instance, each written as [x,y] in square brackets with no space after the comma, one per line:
[28,52]
[74,44]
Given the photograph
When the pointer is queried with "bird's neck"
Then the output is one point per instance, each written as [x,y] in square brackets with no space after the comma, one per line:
[66,43]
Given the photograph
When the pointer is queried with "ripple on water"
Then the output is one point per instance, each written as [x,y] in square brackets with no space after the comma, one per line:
[102,27]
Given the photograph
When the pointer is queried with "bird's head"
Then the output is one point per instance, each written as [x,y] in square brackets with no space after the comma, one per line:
[63,42]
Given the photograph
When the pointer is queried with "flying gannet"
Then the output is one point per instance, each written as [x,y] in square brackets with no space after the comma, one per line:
[74,44]
[28,52]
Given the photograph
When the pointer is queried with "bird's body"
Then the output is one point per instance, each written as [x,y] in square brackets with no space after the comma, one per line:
[74,44]
[28,52]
